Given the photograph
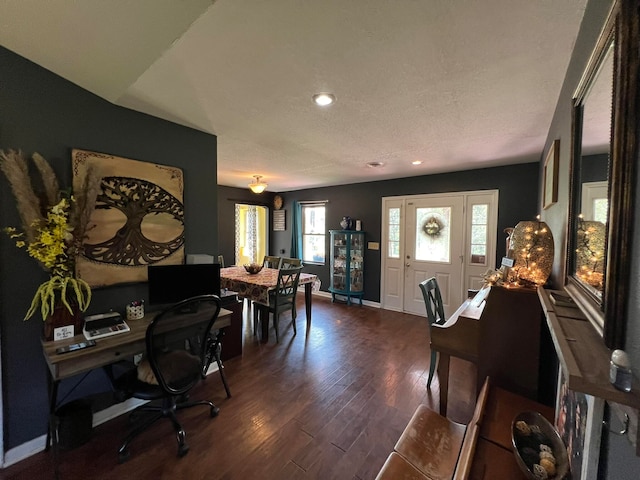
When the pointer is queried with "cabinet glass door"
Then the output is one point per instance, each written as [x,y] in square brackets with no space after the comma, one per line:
[339,261]
[356,263]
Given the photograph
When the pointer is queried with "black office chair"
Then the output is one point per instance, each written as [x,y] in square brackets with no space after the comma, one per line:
[177,345]
[283,297]
[435,315]
[213,350]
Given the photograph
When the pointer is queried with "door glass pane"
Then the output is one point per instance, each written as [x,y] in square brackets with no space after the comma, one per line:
[600,209]
[478,234]
[433,231]
[479,214]
[479,221]
[394,233]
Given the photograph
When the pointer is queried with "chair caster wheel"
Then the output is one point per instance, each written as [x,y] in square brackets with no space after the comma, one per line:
[214,411]
[123,456]
[183,450]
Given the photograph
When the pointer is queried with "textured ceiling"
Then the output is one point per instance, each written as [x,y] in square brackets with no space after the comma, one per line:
[457,84]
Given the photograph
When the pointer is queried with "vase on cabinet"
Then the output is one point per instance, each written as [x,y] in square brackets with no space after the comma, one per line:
[345,223]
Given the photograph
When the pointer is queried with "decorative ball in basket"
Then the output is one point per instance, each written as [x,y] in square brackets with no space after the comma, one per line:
[253,268]
[538,448]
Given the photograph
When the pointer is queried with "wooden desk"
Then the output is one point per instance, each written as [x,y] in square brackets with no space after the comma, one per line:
[256,288]
[107,351]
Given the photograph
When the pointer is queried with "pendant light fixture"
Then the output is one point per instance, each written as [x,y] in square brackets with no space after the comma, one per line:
[257,186]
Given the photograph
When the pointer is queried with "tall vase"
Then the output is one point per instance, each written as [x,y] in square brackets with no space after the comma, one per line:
[62,317]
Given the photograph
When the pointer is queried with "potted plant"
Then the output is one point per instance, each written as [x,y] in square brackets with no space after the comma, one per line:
[53,230]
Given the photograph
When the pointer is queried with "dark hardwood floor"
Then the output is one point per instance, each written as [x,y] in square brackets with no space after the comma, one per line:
[327,405]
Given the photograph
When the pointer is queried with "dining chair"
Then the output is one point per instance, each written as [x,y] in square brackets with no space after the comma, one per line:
[267,262]
[435,316]
[283,297]
[271,262]
[290,262]
[176,352]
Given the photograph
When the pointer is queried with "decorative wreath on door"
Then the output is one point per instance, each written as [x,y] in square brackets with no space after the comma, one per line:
[433,225]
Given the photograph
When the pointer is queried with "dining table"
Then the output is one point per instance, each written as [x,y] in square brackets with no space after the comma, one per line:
[257,286]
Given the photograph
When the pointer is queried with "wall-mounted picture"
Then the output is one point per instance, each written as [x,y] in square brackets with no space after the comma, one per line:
[138,219]
[279,224]
[579,423]
[551,165]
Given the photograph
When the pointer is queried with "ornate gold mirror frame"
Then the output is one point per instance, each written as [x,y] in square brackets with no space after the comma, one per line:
[608,311]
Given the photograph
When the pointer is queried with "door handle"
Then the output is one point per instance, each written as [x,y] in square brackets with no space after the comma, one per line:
[408,265]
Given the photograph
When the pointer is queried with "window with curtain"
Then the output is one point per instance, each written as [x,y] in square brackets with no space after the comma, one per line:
[251,234]
[313,233]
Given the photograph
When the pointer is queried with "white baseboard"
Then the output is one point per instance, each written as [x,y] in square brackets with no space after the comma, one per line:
[38,444]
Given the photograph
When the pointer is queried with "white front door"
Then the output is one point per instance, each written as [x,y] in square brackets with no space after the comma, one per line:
[448,236]
[434,248]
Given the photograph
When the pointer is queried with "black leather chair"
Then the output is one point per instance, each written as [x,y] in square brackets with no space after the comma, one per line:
[177,350]
[435,315]
[283,297]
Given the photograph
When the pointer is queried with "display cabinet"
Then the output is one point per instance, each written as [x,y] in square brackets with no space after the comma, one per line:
[347,265]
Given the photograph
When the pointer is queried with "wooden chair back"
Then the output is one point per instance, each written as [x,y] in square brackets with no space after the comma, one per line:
[290,262]
[271,262]
[433,301]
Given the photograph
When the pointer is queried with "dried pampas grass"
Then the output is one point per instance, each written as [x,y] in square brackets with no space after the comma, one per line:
[85,201]
[14,165]
[49,179]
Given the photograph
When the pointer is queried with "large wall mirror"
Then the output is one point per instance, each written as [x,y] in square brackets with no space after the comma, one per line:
[604,155]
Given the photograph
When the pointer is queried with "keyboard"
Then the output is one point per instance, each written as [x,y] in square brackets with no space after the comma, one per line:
[104,325]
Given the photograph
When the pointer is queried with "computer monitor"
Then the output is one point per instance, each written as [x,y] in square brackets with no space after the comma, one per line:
[169,284]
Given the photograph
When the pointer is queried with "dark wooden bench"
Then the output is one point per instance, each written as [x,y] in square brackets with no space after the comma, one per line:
[435,448]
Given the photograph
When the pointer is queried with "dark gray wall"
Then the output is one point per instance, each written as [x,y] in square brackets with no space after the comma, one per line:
[618,459]
[41,112]
[518,186]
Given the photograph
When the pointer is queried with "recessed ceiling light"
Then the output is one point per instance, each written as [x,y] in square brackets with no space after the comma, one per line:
[375,164]
[324,99]
[416,162]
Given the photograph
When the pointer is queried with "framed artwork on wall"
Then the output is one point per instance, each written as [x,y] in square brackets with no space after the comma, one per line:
[551,165]
[279,221]
[138,219]
[579,422]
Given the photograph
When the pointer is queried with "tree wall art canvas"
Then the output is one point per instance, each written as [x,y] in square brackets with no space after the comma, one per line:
[138,219]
